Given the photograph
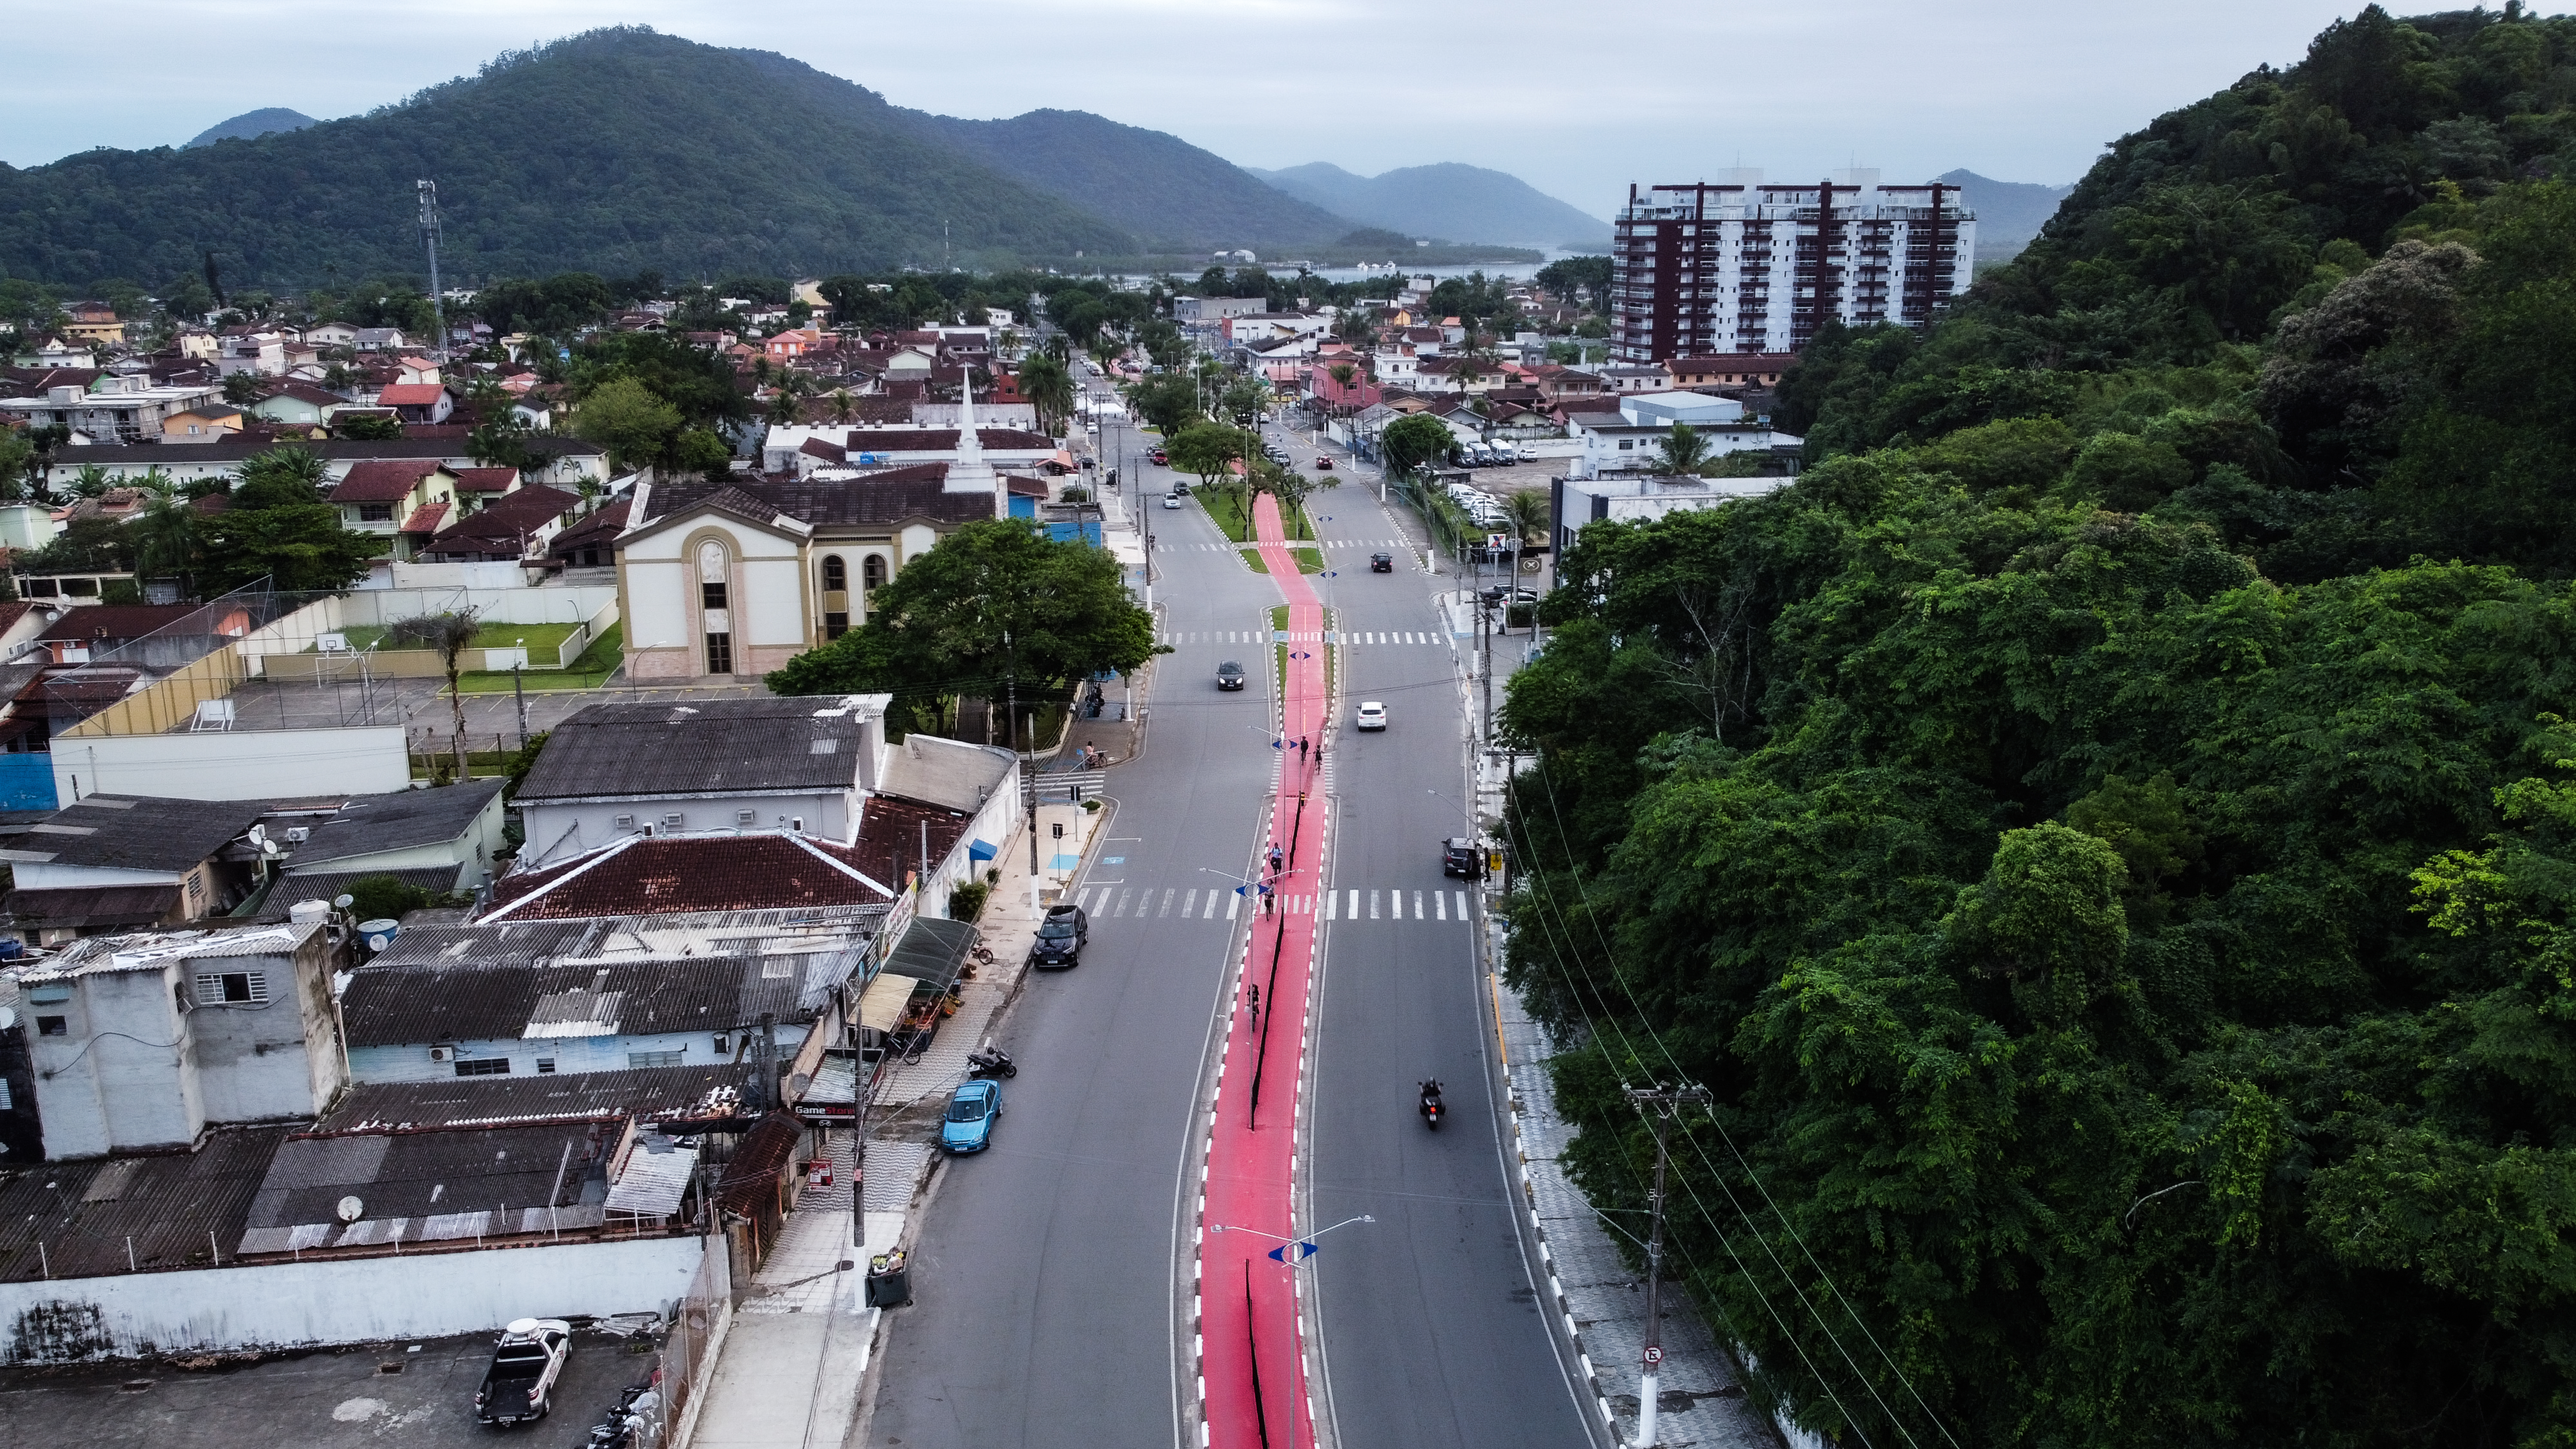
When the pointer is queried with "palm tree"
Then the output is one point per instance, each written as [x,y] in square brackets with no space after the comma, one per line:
[782,408]
[840,404]
[165,537]
[90,481]
[449,634]
[1527,511]
[1048,385]
[1684,449]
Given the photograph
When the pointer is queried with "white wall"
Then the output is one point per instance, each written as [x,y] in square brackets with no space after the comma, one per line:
[240,765]
[409,1062]
[365,1300]
[558,830]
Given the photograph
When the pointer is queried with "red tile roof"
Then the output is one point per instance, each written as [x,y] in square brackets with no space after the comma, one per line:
[486,480]
[425,519]
[410,394]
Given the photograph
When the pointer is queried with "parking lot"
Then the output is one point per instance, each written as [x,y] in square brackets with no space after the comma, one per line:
[327,1399]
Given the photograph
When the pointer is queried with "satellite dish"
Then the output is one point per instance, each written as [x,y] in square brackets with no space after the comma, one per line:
[8,1018]
[351,1209]
[344,902]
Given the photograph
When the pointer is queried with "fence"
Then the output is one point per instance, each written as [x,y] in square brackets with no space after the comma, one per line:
[581,638]
[696,1333]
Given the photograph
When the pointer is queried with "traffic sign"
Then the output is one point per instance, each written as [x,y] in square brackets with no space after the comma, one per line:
[1305,1250]
[1654,1355]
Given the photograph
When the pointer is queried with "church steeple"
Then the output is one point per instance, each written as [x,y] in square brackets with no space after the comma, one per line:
[970,473]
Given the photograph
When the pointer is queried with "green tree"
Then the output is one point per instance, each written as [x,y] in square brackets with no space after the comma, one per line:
[242,389]
[1048,386]
[1683,449]
[1207,449]
[366,427]
[625,417]
[448,635]
[996,600]
[1415,442]
[703,451]
[276,526]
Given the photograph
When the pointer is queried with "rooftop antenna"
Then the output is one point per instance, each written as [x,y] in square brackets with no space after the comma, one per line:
[429,238]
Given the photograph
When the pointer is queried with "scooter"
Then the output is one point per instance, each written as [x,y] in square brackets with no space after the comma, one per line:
[991,1062]
[1431,1107]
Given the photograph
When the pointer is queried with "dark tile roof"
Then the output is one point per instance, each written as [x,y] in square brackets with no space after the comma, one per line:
[890,497]
[485,480]
[661,874]
[94,908]
[373,824]
[545,445]
[708,746]
[889,847]
[383,480]
[403,1005]
[505,525]
[597,529]
[424,1174]
[127,832]
[116,621]
[645,1093]
[748,1185]
[83,1211]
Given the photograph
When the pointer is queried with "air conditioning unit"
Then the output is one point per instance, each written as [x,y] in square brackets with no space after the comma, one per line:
[746,817]
[298,834]
[442,1054]
[625,822]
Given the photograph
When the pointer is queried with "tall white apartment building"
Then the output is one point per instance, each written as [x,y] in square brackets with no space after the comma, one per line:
[1738,266]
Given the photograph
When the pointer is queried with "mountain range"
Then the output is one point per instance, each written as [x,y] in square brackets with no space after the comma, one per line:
[1449,201]
[251,125]
[2009,213]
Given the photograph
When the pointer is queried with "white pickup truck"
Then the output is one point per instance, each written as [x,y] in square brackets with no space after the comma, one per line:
[518,1388]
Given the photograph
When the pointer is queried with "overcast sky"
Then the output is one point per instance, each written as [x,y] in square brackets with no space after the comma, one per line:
[1578,100]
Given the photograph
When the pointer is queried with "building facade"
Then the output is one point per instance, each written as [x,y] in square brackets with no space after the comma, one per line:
[1740,266]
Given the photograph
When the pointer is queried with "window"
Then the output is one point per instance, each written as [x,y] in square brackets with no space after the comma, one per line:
[375,513]
[53,1026]
[712,595]
[719,651]
[746,817]
[836,622]
[836,575]
[232,988]
[654,1059]
[6,1102]
[724,1047]
[483,1067]
[674,821]
[625,822]
[545,1066]
[872,572]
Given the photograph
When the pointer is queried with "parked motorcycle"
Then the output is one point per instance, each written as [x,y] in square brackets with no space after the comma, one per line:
[1432,1107]
[991,1062]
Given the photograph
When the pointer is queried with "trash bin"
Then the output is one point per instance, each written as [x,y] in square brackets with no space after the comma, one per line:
[889,1282]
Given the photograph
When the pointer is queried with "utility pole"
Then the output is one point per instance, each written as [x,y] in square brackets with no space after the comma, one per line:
[1657,1102]
[429,237]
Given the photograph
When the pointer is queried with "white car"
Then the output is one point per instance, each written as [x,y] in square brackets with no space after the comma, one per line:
[1171,500]
[1371,715]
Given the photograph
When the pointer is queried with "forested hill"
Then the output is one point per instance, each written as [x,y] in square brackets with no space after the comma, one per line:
[1450,201]
[618,150]
[2106,833]
[1171,194]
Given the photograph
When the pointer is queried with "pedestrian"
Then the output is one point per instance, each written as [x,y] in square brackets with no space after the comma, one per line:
[1277,859]
[1301,747]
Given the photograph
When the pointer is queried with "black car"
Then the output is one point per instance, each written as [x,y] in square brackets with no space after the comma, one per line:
[1381,563]
[1229,675]
[1499,594]
[1461,857]
[1060,937]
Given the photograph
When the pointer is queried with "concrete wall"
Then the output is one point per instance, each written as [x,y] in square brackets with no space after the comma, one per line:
[115,1078]
[240,765]
[365,1300]
[410,1061]
[555,831]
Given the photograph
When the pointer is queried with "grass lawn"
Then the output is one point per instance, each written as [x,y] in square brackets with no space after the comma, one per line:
[1230,519]
[1309,561]
[543,639]
[590,671]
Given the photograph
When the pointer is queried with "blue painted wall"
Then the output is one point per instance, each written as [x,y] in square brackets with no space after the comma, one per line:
[27,782]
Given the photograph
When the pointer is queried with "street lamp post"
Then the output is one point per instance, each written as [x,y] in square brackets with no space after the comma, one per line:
[1292,1254]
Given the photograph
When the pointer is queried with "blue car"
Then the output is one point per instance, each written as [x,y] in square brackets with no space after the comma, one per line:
[971,1112]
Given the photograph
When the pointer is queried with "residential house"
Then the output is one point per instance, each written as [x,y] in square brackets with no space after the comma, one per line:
[381,339]
[1631,439]
[299,404]
[115,409]
[644,875]
[454,830]
[93,322]
[331,334]
[592,542]
[479,488]
[563,461]
[1728,369]
[53,352]
[417,402]
[407,499]
[211,423]
[143,1041]
[117,862]
[259,353]
[516,528]
[414,371]
[148,636]
[1640,497]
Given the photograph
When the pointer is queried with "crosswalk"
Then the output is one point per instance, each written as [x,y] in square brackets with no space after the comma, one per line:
[1214,903]
[1301,636]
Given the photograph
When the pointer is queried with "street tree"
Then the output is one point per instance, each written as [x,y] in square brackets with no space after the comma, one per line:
[447,635]
[1413,442]
[1048,385]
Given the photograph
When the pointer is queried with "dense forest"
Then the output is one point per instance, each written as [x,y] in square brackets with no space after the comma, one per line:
[2105,835]
[611,151]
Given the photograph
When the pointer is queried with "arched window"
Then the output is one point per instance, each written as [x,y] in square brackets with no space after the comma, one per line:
[836,575]
[872,572]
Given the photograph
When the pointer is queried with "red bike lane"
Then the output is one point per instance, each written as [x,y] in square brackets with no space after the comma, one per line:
[1254,1370]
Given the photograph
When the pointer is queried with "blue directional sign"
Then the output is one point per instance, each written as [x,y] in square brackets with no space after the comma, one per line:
[1304,1251]
[1301,654]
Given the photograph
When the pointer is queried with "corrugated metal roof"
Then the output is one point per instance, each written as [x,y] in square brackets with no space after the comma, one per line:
[431,1186]
[702,746]
[655,1179]
[643,1093]
[84,1212]
[404,1005]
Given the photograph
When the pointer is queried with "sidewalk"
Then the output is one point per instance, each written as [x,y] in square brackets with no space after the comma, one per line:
[794,1358]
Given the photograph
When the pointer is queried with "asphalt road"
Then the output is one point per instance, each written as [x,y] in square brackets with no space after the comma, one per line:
[1044,1311]
[1044,1280]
